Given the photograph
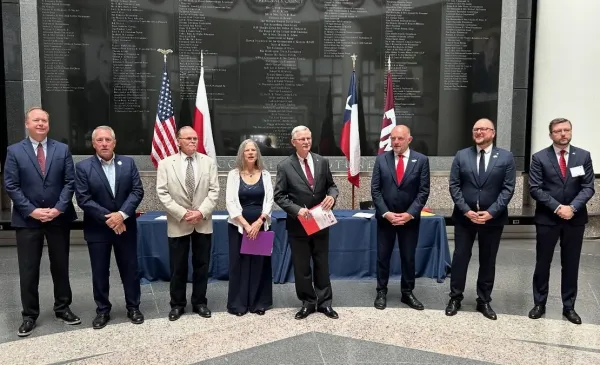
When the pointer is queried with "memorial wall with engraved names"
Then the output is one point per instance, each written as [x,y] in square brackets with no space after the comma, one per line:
[270,65]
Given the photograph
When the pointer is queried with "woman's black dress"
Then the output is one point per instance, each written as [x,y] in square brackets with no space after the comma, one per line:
[250,276]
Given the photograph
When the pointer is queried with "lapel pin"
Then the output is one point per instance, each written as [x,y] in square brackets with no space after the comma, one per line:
[495,156]
[415,160]
[119,163]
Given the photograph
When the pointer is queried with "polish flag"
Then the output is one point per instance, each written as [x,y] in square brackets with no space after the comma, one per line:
[206,144]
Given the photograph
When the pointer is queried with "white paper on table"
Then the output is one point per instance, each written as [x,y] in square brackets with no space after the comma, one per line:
[161,218]
[219,217]
[363,215]
[324,218]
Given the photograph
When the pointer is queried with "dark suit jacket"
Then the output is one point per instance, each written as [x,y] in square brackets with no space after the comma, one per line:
[492,194]
[412,193]
[29,189]
[95,197]
[549,190]
[292,191]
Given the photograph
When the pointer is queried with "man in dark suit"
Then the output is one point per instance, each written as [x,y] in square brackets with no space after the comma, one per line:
[400,188]
[482,183]
[561,180]
[108,190]
[38,177]
[303,181]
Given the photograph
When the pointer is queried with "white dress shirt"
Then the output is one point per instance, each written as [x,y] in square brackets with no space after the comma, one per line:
[109,170]
[557,153]
[311,165]
[184,164]
[487,154]
[35,144]
[405,157]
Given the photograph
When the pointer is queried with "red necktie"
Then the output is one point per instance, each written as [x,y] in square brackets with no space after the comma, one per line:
[309,177]
[41,158]
[562,163]
[400,169]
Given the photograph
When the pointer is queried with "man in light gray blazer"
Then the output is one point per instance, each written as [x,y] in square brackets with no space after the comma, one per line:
[188,187]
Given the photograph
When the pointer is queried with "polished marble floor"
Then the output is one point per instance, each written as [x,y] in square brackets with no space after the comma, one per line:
[362,335]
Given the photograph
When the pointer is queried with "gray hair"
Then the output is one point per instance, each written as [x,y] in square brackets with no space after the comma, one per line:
[239,160]
[299,128]
[104,128]
[36,108]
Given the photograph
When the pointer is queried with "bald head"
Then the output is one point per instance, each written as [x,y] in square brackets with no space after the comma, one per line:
[400,138]
[483,133]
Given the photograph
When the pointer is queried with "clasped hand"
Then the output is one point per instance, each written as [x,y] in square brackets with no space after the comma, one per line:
[45,214]
[565,212]
[253,229]
[398,219]
[193,217]
[479,217]
[116,222]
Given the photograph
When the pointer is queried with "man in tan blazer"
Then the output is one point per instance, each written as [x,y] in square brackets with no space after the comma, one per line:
[187,186]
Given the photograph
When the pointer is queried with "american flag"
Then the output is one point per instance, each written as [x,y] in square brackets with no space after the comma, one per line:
[163,141]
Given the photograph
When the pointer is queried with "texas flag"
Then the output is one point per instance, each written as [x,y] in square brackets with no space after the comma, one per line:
[350,141]
[206,144]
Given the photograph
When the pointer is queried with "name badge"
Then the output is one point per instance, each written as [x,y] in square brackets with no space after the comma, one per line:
[577,171]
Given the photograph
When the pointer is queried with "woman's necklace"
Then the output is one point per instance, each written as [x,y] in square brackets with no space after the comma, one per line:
[250,174]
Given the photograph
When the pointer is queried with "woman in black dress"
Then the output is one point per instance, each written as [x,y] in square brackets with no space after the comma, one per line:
[249,198]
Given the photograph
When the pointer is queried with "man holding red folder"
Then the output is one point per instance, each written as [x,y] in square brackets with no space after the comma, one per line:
[304,180]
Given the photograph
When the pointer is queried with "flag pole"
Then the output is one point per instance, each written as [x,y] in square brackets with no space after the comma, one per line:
[165,52]
[354,70]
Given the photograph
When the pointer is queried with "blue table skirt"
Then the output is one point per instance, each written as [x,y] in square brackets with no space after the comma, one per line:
[352,249]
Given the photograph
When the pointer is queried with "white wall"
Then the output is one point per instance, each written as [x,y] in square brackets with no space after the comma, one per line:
[567,72]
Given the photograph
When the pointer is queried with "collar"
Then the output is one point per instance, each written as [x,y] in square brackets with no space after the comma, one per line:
[308,157]
[487,150]
[35,143]
[404,154]
[184,156]
[104,162]
[557,150]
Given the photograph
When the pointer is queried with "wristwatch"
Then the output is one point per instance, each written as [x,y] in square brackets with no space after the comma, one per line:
[263,219]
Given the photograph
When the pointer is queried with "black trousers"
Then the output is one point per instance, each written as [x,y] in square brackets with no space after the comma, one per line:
[179,251]
[489,242]
[30,245]
[571,240]
[250,278]
[316,247]
[408,237]
[126,257]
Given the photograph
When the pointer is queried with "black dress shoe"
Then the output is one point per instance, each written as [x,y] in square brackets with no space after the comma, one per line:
[175,313]
[487,311]
[380,300]
[26,328]
[68,317]
[203,311]
[100,321]
[572,316]
[452,307]
[304,312]
[537,311]
[239,314]
[329,312]
[412,301]
[136,316]
[260,312]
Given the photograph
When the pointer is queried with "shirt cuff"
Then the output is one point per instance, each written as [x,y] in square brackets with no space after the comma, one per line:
[556,210]
[385,214]
[125,216]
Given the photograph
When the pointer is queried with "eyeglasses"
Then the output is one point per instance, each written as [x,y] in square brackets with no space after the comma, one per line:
[475,130]
[190,139]
[303,139]
[559,131]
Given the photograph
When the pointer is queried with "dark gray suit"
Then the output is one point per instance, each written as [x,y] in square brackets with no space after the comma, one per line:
[549,189]
[489,191]
[292,193]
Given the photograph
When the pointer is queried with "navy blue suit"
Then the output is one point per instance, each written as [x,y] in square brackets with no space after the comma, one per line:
[407,196]
[489,191]
[96,198]
[549,189]
[30,188]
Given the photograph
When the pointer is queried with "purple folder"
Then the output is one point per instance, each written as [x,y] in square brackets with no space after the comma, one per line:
[262,245]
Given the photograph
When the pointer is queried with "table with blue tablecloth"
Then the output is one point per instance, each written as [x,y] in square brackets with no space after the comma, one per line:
[352,248]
